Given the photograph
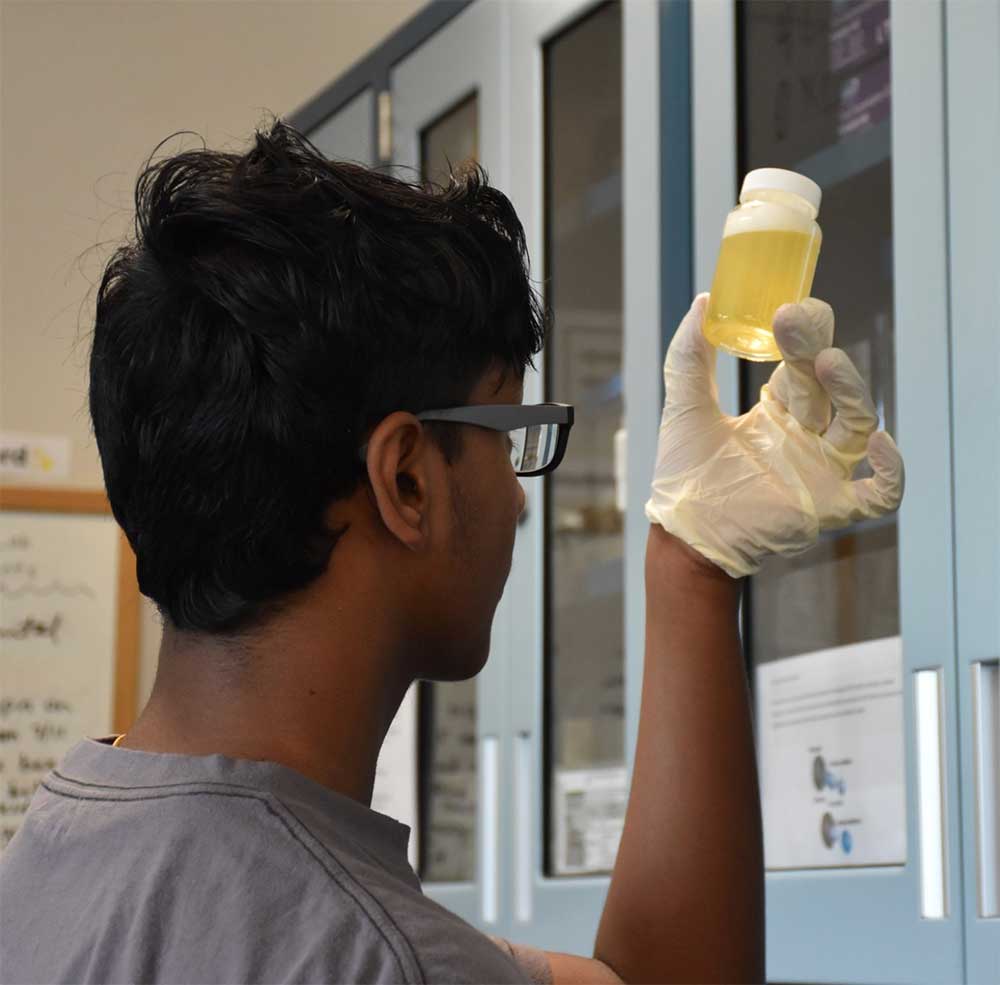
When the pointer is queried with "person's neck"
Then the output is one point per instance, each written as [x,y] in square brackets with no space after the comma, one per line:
[318,705]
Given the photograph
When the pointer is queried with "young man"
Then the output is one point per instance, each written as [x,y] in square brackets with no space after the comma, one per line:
[306,393]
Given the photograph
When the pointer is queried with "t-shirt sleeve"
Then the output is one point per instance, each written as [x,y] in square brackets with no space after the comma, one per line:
[530,960]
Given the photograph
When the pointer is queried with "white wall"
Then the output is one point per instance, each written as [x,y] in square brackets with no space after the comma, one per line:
[88,90]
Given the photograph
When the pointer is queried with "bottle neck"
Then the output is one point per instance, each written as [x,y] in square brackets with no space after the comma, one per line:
[788,199]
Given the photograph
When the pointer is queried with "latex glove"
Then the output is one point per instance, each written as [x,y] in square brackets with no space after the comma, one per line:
[737,489]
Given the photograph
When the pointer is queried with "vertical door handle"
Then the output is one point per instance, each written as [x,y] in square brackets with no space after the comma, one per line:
[489,798]
[930,800]
[523,865]
[986,746]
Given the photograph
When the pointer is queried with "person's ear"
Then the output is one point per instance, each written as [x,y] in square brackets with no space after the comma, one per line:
[397,473]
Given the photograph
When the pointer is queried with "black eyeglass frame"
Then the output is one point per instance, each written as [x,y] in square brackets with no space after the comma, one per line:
[509,417]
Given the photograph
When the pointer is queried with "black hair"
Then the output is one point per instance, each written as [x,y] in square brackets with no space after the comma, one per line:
[272,308]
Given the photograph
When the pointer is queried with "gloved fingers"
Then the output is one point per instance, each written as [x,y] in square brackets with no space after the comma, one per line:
[778,384]
[689,369]
[802,332]
[856,416]
[883,492]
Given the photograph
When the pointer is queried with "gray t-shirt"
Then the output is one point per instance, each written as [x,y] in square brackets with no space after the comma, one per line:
[147,867]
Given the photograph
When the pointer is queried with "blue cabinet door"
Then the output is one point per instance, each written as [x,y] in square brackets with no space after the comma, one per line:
[448,106]
[972,32]
[861,785]
[585,165]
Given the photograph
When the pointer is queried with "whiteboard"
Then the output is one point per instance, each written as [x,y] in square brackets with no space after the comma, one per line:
[58,619]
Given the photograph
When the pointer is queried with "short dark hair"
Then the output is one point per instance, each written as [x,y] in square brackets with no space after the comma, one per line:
[272,308]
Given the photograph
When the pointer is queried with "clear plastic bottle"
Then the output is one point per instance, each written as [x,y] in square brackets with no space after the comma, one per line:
[770,245]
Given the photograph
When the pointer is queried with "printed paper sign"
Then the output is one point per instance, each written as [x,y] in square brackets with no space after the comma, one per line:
[830,751]
[589,815]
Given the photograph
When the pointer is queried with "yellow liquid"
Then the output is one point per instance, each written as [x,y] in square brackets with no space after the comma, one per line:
[756,274]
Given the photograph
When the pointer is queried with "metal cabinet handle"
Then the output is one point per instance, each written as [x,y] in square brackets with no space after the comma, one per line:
[986,746]
[930,799]
[489,799]
[523,863]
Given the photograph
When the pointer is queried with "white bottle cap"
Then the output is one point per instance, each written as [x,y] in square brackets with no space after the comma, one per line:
[785,181]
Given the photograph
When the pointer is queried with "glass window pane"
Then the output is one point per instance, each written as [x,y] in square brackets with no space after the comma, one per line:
[815,98]
[833,125]
[584,722]
[450,141]
[447,711]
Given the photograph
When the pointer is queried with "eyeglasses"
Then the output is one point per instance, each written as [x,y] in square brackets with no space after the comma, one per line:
[538,433]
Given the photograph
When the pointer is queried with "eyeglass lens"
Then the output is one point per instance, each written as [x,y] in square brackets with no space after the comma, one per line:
[533,447]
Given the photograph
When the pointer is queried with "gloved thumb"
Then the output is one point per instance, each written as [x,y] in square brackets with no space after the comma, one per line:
[689,369]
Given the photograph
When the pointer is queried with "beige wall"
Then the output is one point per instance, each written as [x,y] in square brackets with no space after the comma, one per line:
[88,90]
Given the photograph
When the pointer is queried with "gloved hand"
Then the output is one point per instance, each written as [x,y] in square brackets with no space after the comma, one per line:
[739,488]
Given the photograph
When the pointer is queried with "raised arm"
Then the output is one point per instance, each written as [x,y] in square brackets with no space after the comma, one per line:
[686,901]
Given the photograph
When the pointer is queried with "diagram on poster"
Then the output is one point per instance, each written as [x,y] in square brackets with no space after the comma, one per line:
[830,753]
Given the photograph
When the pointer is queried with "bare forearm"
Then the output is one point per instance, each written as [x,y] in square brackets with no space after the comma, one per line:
[686,899]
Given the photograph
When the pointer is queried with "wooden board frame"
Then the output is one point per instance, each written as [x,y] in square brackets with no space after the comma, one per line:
[36,499]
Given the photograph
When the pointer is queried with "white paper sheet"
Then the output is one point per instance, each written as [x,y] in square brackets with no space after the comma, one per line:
[589,817]
[58,608]
[395,790]
[830,753]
